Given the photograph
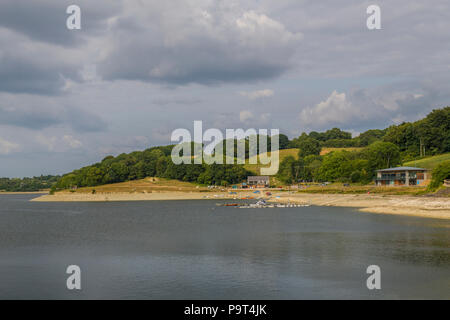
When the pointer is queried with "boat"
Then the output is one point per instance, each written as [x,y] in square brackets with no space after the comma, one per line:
[264,204]
[227,204]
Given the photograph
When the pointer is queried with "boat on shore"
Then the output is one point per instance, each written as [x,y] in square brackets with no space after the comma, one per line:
[263,204]
[275,205]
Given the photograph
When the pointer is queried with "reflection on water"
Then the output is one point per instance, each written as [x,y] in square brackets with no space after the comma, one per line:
[196,250]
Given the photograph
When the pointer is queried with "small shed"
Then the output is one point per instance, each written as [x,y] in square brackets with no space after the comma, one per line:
[258,181]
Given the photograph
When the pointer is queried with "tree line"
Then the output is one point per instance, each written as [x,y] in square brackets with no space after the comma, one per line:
[28,184]
[153,162]
[425,137]
[380,149]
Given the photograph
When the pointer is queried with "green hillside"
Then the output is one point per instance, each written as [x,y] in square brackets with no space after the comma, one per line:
[255,168]
[430,162]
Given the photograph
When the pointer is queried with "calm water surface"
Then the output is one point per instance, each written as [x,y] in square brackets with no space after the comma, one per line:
[196,250]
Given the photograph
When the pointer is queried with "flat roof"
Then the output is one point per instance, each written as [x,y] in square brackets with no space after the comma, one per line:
[403,169]
[258,177]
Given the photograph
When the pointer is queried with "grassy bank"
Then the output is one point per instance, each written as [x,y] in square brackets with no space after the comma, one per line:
[147,185]
[430,162]
[370,189]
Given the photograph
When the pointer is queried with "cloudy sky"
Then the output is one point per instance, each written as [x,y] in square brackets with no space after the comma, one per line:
[138,69]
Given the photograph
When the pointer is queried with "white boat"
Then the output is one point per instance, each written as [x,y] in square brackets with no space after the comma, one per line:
[264,204]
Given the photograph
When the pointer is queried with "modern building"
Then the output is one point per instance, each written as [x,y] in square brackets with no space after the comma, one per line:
[402,176]
[258,181]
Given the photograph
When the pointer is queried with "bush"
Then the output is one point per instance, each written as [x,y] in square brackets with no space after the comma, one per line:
[440,173]
[355,176]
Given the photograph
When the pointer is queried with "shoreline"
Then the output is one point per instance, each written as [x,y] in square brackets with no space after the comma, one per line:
[417,206]
[24,192]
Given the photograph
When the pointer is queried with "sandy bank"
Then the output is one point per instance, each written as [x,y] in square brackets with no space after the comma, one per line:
[430,207]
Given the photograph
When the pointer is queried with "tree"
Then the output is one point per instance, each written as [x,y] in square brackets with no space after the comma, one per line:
[331,134]
[291,170]
[284,142]
[336,133]
[370,136]
[344,166]
[285,171]
[308,146]
[312,164]
[439,174]
[382,155]
[428,136]
[335,166]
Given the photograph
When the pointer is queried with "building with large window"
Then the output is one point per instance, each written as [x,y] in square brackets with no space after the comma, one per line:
[403,176]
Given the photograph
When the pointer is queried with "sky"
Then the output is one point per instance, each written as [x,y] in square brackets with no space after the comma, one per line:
[137,70]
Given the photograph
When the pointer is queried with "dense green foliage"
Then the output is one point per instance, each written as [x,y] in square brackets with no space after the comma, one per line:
[382,149]
[440,173]
[429,136]
[343,166]
[308,146]
[153,162]
[27,184]
[331,134]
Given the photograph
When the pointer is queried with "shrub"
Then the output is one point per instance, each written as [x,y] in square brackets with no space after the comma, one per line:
[440,173]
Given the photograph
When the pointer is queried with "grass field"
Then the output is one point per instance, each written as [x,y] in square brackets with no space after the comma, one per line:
[430,162]
[328,150]
[144,185]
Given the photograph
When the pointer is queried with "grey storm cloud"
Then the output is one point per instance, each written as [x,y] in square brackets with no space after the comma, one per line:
[20,75]
[45,20]
[32,68]
[414,39]
[38,114]
[84,121]
[212,42]
[38,54]
[204,44]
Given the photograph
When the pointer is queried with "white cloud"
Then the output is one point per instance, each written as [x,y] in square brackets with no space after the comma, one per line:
[258,94]
[245,115]
[361,109]
[202,42]
[55,144]
[335,109]
[255,120]
[7,147]
[47,142]
[72,142]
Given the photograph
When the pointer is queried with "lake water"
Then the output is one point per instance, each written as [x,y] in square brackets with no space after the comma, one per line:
[197,250]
